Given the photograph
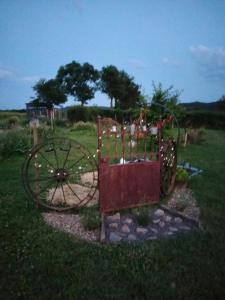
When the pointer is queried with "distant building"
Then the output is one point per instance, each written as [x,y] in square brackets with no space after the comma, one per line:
[34,111]
[42,111]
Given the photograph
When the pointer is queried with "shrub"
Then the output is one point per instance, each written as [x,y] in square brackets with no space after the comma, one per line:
[196,135]
[14,141]
[84,126]
[182,175]
[90,218]
[3,124]
[142,215]
[61,123]
[78,113]
[182,202]
[13,121]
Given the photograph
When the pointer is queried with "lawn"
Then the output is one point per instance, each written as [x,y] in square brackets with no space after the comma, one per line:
[38,262]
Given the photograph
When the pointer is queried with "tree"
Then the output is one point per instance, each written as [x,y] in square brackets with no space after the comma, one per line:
[129,92]
[166,99]
[120,87]
[48,93]
[110,82]
[221,103]
[79,81]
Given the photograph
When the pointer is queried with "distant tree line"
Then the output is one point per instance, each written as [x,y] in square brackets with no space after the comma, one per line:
[81,81]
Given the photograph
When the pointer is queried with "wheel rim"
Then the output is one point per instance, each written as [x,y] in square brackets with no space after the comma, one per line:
[61,174]
[168,166]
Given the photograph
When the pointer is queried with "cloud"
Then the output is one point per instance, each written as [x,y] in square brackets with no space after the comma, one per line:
[30,78]
[170,62]
[211,60]
[8,73]
[5,73]
[137,63]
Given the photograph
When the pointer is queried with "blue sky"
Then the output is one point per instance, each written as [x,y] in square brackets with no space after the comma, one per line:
[175,42]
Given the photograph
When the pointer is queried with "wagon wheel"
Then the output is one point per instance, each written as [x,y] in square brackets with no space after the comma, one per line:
[168,166]
[60,174]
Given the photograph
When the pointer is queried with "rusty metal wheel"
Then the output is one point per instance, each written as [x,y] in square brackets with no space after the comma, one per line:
[168,166]
[61,174]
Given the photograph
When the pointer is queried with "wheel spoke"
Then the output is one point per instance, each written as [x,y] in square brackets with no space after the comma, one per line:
[67,155]
[44,188]
[73,191]
[63,193]
[53,195]
[46,160]
[76,162]
[86,171]
[56,157]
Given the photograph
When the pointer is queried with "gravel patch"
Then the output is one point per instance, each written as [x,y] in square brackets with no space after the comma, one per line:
[71,223]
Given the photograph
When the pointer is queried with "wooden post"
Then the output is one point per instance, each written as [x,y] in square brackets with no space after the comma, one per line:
[185,138]
[35,136]
[51,118]
[34,124]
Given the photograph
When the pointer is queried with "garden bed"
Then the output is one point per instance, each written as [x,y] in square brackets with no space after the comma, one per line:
[179,216]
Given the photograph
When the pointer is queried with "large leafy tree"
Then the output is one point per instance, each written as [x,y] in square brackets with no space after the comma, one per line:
[129,92]
[110,82]
[120,87]
[79,81]
[48,93]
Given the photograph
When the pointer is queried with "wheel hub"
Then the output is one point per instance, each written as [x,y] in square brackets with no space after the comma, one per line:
[61,174]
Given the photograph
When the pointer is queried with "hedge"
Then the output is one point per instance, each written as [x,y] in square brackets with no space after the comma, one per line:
[196,119]
[210,120]
[85,114]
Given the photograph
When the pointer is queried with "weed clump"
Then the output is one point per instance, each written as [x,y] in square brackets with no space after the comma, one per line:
[142,215]
[90,218]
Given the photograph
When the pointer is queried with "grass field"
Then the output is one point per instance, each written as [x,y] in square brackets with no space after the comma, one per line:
[38,262]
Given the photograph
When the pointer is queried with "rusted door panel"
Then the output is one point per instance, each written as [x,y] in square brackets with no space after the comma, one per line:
[128,185]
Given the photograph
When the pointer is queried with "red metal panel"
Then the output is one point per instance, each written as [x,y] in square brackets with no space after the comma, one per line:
[128,185]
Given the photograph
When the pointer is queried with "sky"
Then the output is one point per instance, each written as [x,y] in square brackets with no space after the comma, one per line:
[175,42]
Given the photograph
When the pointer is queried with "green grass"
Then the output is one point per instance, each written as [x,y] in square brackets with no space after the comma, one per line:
[38,262]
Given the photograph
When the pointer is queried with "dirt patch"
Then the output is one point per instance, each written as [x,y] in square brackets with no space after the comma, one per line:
[89,178]
[72,195]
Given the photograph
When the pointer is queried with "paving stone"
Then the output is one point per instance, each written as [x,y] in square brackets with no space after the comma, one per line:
[152,238]
[113,225]
[168,219]
[156,221]
[173,229]
[125,228]
[159,213]
[161,224]
[141,230]
[114,238]
[154,230]
[114,218]
[178,220]
[168,233]
[131,237]
[184,227]
[128,221]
